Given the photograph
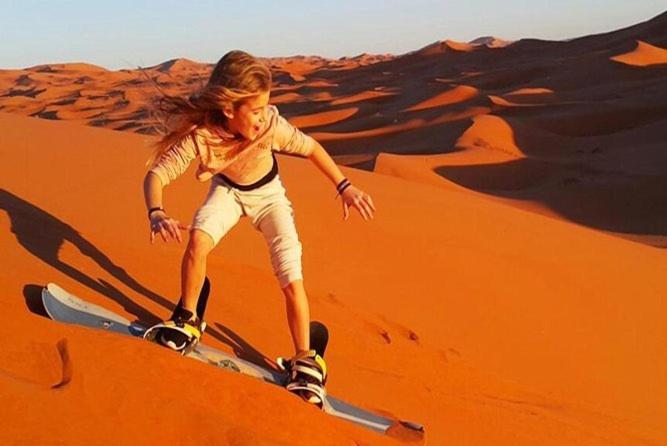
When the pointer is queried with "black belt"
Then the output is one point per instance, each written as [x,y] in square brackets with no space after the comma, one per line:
[259,183]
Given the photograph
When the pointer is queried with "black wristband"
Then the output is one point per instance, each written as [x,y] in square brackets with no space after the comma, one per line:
[343,184]
[151,210]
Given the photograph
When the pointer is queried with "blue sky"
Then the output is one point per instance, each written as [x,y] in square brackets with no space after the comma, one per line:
[123,34]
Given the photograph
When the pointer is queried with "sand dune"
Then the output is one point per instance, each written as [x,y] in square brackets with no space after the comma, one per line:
[359,97]
[457,94]
[490,42]
[286,98]
[402,127]
[644,55]
[491,133]
[323,118]
[530,91]
[445,46]
[498,100]
[505,332]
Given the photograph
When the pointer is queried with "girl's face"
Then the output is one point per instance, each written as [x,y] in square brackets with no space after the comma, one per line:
[249,118]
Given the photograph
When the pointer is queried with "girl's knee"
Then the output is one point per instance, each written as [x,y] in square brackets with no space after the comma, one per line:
[200,244]
[292,285]
[290,278]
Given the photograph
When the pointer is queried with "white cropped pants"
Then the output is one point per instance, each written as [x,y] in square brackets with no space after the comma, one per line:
[270,212]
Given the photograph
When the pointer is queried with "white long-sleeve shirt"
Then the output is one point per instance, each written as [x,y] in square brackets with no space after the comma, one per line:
[242,161]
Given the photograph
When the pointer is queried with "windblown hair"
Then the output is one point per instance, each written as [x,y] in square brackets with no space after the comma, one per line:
[236,77]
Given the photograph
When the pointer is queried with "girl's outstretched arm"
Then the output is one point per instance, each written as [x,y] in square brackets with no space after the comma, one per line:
[351,195]
[160,223]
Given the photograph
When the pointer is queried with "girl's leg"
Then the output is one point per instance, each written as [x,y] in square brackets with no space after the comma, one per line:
[219,213]
[298,315]
[193,268]
[273,216]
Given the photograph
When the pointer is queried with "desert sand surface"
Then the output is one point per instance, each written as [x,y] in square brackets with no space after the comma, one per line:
[510,290]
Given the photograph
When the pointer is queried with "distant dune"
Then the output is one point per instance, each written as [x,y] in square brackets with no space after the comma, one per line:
[644,55]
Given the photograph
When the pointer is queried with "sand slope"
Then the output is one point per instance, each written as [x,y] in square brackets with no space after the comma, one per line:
[489,324]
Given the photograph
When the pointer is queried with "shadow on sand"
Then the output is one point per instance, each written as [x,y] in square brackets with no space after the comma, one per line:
[43,234]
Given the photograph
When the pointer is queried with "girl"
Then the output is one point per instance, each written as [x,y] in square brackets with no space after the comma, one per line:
[230,126]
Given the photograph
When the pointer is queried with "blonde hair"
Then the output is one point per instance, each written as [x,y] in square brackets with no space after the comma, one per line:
[236,77]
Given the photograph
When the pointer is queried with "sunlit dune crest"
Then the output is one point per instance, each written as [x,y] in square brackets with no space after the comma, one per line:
[643,55]
[498,100]
[360,97]
[530,91]
[405,126]
[457,94]
[323,118]
[490,42]
[492,133]
[459,46]
[68,67]
[286,98]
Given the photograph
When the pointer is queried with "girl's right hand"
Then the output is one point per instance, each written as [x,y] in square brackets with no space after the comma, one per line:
[167,227]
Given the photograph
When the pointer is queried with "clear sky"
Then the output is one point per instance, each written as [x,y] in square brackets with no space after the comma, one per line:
[126,33]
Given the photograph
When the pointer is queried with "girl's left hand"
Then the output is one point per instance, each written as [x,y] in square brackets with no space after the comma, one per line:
[355,197]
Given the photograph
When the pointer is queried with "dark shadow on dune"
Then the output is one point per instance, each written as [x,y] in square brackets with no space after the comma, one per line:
[33,299]
[612,201]
[436,139]
[501,178]
[241,348]
[43,234]
[368,165]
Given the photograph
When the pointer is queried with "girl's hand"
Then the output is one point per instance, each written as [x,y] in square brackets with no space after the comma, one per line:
[166,227]
[360,200]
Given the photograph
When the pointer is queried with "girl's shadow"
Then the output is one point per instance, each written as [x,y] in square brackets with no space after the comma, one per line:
[42,235]
[242,349]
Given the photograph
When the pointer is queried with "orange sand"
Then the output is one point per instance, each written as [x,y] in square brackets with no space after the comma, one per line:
[491,326]
[458,94]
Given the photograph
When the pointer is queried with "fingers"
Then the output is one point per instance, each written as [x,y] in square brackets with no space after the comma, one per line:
[364,208]
[370,202]
[362,202]
[174,231]
[164,234]
[346,211]
[364,211]
[168,229]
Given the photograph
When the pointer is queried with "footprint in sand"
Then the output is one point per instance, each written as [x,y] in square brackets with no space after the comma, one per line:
[451,356]
[334,300]
[66,365]
[38,363]
[403,331]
